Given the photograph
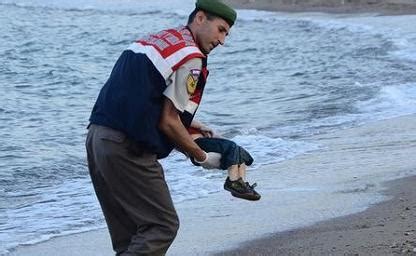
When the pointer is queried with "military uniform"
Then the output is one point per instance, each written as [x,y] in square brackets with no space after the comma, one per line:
[124,142]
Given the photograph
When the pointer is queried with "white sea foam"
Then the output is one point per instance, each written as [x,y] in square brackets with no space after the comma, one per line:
[54,211]
[399,29]
[392,101]
[70,206]
[189,182]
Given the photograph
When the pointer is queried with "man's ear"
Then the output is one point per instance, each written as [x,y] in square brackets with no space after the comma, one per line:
[200,17]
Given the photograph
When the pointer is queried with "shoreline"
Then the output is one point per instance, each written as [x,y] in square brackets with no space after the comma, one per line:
[220,209]
[386,228]
[216,224]
[382,7]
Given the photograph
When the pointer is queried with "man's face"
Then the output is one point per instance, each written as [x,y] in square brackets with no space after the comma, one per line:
[211,33]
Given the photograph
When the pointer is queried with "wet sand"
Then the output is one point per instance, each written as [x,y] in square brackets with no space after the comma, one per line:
[214,224]
[388,228]
[217,223]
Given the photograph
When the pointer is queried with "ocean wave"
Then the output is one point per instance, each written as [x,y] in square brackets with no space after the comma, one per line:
[124,7]
[397,29]
[391,101]
[280,88]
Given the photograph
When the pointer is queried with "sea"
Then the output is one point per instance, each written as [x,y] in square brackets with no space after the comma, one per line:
[278,80]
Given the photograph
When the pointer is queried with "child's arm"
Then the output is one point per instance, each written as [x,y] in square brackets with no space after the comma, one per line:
[205,130]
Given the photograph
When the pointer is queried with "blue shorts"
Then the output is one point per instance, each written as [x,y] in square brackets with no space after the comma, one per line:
[231,153]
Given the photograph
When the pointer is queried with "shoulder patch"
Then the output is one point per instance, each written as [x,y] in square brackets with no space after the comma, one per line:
[192,80]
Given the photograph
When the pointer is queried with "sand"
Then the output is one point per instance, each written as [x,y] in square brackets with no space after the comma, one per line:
[217,223]
[388,228]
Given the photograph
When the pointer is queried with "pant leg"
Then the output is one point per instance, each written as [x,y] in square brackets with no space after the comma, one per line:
[133,194]
[231,153]
[120,226]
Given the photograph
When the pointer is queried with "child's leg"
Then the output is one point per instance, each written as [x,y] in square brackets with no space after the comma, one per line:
[242,171]
[233,172]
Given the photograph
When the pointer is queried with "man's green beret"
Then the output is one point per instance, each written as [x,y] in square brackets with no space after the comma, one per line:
[219,8]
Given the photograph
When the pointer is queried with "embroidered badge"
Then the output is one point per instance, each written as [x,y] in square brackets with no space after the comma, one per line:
[192,80]
[190,84]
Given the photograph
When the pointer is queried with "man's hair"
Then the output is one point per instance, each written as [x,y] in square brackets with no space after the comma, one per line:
[209,15]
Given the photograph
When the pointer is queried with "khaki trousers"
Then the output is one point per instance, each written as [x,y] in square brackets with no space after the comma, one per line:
[133,194]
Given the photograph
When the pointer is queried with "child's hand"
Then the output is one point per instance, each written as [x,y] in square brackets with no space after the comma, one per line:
[206,131]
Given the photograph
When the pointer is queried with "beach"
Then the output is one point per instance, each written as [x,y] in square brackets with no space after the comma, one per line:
[342,181]
[387,228]
[225,225]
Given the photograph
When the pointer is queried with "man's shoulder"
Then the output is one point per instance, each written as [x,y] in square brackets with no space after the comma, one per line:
[194,63]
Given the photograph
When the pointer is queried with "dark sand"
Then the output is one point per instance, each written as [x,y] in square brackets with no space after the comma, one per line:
[388,228]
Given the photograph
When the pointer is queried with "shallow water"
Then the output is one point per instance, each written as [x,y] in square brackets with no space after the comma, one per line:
[279,79]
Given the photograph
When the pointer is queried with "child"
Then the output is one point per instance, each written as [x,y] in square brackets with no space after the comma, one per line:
[234,158]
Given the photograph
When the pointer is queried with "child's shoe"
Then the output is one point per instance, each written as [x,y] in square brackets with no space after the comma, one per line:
[241,189]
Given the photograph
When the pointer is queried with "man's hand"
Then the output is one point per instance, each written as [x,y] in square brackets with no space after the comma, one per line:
[171,125]
[212,160]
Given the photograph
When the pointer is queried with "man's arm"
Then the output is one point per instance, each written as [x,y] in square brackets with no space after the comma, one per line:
[171,125]
[177,97]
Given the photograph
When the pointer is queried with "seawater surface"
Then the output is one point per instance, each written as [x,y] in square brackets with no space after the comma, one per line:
[278,79]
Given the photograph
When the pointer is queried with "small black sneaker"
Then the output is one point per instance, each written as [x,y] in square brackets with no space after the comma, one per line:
[241,189]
